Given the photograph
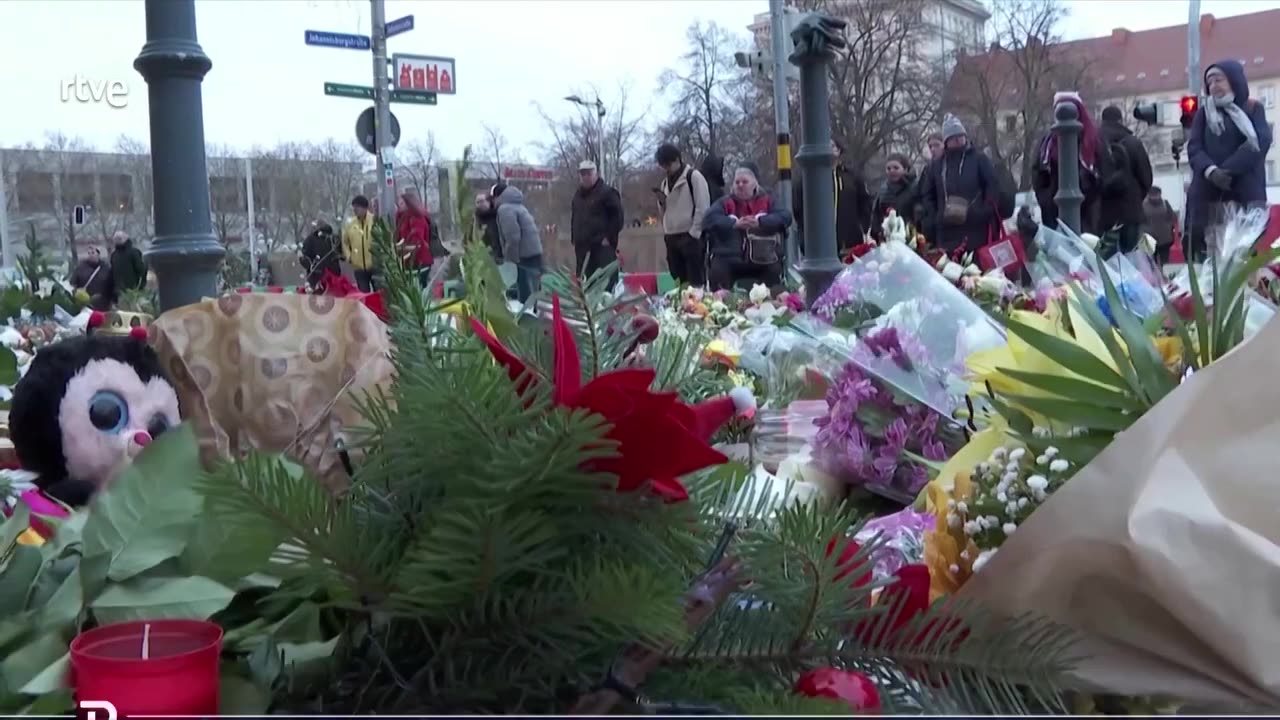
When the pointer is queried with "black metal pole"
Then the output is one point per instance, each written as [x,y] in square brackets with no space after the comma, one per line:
[816,37]
[1069,197]
[185,254]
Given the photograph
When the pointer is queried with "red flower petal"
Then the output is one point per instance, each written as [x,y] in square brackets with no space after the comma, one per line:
[567,375]
[514,365]
[845,562]
[909,593]
[854,689]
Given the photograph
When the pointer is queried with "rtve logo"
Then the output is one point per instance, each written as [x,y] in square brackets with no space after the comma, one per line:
[89,710]
[113,92]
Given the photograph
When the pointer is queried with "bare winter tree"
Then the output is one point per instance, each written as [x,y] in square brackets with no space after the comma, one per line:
[700,88]
[1006,94]
[495,148]
[333,176]
[228,201]
[420,159]
[136,162]
[68,157]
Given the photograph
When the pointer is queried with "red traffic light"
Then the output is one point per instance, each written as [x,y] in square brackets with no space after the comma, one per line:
[1189,104]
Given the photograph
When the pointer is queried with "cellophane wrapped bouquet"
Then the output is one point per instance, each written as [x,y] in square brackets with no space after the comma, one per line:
[1064,258]
[899,333]
[1231,266]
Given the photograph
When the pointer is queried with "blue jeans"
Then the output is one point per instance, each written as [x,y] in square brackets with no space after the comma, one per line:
[528,277]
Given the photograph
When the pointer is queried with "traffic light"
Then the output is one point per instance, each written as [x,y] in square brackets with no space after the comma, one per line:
[1148,113]
[1188,104]
[77,215]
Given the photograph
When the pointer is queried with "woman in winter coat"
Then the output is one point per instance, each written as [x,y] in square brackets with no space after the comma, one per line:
[900,193]
[1095,170]
[961,194]
[1227,147]
[413,228]
[747,231]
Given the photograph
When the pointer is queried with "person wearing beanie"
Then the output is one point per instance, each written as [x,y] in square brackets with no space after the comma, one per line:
[1095,170]
[899,193]
[961,194]
[1128,184]
[1227,150]
[852,200]
[745,231]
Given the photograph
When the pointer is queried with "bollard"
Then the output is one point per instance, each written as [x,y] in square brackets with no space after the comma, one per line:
[816,38]
[185,254]
[1067,127]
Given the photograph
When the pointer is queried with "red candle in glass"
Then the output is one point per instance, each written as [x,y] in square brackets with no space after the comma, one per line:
[177,676]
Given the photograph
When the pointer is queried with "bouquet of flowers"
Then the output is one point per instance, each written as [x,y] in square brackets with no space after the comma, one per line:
[1231,269]
[1064,258]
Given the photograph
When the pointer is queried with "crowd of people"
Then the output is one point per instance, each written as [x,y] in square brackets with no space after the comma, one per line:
[103,281]
[956,199]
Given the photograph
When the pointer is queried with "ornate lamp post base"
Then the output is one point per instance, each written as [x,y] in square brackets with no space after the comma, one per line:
[1068,128]
[185,254]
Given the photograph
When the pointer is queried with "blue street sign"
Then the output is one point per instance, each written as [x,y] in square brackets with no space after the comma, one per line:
[401,25]
[337,40]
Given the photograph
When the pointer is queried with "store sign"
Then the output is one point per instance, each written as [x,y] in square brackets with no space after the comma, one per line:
[425,73]
[528,173]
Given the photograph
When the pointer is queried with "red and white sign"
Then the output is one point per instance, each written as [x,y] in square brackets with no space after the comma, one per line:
[425,73]
[528,173]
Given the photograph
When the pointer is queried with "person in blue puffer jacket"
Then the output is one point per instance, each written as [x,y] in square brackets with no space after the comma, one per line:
[1227,148]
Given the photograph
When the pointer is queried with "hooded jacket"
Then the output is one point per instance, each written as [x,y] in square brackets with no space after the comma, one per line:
[713,172]
[967,174]
[726,241]
[517,232]
[1228,151]
[1122,198]
[413,226]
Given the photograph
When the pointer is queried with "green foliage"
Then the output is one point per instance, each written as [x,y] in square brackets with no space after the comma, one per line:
[142,301]
[121,560]
[35,266]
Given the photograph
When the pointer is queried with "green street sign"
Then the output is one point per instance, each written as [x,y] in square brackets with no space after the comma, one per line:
[350,91]
[414,97]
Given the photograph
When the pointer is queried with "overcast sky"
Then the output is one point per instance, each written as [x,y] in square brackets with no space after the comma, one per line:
[267,85]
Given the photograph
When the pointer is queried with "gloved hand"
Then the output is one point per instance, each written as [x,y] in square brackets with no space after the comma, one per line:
[1221,178]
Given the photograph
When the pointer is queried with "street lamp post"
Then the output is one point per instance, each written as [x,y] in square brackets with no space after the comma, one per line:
[816,38]
[1068,129]
[598,106]
[185,254]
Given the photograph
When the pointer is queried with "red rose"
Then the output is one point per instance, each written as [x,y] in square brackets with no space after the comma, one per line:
[852,688]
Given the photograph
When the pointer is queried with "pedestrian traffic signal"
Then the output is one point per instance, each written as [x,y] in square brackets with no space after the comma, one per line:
[1189,104]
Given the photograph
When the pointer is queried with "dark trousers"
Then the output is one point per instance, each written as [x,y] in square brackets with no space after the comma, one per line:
[364,280]
[686,259]
[594,258]
[1194,247]
[424,276]
[1124,241]
[725,273]
[528,277]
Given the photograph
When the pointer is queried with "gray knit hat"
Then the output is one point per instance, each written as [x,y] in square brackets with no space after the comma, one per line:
[951,127]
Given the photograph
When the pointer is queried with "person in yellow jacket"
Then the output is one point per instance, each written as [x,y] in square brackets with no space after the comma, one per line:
[357,242]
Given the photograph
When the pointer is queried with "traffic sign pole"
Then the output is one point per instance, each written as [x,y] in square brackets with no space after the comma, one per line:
[382,103]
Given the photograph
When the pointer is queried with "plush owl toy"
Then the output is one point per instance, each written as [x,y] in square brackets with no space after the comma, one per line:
[86,407]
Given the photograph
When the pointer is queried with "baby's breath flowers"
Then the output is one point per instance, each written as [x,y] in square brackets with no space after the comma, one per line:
[1007,487]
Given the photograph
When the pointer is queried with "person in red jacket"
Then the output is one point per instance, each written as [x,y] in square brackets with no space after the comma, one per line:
[413,228]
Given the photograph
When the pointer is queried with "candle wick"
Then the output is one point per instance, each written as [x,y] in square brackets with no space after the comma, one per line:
[146,641]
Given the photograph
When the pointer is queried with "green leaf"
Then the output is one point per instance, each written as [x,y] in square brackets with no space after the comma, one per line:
[8,367]
[1155,380]
[52,679]
[133,519]
[196,598]
[64,608]
[16,580]
[59,703]
[12,527]
[1076,389]
[1069,355]
[239,696]
[93,575]
[1102,327]
[33,659]
[1078,414]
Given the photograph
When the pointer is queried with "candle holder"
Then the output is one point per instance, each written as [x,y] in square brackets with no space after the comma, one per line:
[150,667]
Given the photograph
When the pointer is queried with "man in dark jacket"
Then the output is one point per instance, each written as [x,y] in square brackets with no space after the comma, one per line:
[320,253]
[1130,182]
[595,223]
[1160,221]
[128,268]
[962,193]
[853,204]
[713,170]
[1227,148]
[94,277]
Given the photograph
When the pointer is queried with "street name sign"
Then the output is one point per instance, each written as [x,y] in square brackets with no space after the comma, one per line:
[337,40]
[427,73]
[413,97]
[363,92]
[399,25]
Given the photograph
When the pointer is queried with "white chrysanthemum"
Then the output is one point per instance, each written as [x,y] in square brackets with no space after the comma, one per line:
[1037,482]
[1059,465]
[973,527]
[1051,452]
[1042,460]
[962,507]
[983,558]
[1017,454]
[1009,528]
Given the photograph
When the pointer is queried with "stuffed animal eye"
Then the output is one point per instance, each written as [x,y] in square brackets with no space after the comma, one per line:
[108,412]
[159,423]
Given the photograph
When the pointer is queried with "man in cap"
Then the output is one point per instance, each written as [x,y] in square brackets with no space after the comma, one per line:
[596,222]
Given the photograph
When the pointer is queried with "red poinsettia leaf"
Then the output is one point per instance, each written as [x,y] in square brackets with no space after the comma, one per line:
[567,376]
[514,365]
[845,564]
[638,378]
[905,599]
[670,490]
